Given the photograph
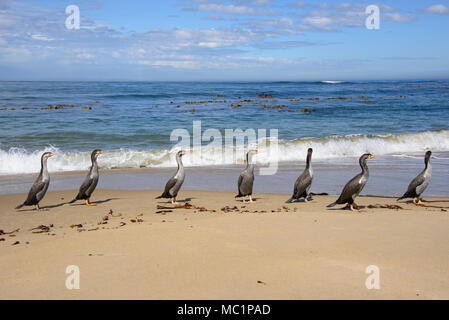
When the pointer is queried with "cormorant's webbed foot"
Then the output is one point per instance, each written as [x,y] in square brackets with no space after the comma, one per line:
[88,203]
[353,207]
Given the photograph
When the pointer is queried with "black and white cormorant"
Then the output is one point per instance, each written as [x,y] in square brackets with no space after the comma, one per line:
[91,180]
[174,183]
[304,181]
[353,188]
[40,186]
[246,178]
[420,183]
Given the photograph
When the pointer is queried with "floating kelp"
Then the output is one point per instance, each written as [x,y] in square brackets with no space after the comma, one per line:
[265,96]
[58,106]
[340,98]
[205,102]
[279,106]
[302,110]
[367,101]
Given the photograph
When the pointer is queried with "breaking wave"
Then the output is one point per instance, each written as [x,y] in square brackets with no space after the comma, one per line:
[332,81]
[21,161]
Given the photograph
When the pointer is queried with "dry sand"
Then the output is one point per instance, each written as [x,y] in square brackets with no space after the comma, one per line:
[260,251]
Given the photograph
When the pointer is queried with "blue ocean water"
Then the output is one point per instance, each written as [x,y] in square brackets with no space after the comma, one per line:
[135,119]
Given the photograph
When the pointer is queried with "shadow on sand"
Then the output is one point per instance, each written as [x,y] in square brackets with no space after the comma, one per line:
[93,202]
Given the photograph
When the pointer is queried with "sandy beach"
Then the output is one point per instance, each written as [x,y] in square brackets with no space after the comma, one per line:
[127,248]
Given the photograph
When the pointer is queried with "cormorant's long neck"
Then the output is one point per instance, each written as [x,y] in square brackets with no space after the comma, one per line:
[427,163]
[309,161]
[364,167]
[428,167]
[94,164]
[179,162]
[44,171]
[249,164]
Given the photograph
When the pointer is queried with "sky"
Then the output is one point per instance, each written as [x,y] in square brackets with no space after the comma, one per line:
[223,40]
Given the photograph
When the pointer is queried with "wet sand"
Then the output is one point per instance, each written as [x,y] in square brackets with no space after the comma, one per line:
[388,176]
[264,250]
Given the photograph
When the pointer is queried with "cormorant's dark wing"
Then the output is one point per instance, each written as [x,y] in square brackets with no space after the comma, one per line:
[419,180]
[246,181]
[170,184]
[302,184]
[239,183]
[37,187]
[84,186]
[411,190]
[351,188]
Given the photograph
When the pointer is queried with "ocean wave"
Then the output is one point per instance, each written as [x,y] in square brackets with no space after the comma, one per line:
[332,81]
[21,161]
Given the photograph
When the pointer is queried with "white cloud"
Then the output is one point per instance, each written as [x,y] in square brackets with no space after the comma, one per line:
[209,44]
[229,9]
[28,31]
[15,54]
[262,3]
[235,9]
[401,18]
[85,56]
[169,63]
[267,59]
[332,17]
[214,17]
[317,21]
[439,9]
[41,37]
[7,20]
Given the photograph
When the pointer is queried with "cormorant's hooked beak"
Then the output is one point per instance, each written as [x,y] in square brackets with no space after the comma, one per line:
[371,156]
[51,154]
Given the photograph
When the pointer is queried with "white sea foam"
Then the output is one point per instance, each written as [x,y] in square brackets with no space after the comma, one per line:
[20,161]
[332,81]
